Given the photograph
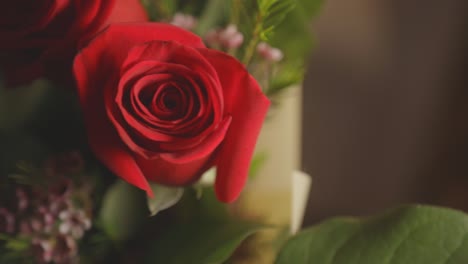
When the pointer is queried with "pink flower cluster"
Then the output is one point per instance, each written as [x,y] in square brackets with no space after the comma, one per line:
[49,215]
[229,37]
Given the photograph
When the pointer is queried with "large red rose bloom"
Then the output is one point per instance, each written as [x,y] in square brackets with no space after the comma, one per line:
[159,106]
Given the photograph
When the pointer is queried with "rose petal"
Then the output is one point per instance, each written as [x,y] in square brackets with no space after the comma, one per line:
[102,137]
[92,15]
[248,106]
[173,174]
[203,149]
[118,38]
[127,11]
[150,140]
[110,48]
[107,51]
[109,149]
[198,87]
[170,51]
[171,54]
[131,120]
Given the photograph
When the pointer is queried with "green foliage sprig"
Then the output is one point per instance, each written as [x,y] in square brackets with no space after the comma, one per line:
[267,15]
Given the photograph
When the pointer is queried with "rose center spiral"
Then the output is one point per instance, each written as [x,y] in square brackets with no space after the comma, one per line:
[170,101]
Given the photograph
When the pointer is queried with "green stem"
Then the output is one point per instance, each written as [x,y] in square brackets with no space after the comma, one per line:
[235,13]
[249,52]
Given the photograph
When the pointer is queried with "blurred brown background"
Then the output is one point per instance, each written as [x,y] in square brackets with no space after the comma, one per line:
[386,106]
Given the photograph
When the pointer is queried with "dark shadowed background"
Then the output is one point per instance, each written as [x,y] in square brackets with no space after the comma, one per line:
[386,106]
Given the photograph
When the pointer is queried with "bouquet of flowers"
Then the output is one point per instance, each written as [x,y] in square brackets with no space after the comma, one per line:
[128,132]
[113,111]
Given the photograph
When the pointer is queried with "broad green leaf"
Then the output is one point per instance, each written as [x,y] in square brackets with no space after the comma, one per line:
[123,211]
[164,197]
[199,242]
[202,233]
[406,235]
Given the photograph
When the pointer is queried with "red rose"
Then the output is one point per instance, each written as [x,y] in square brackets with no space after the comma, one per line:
[40,37]
[159,106]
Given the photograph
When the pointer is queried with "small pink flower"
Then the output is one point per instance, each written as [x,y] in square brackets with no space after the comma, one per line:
[74,223]
[230,37]
[269,53]
[187,22]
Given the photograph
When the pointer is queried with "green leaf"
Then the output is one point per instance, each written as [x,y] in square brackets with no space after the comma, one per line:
[202,233]
[123,211]
[164,197]
[410,234]
[199,242]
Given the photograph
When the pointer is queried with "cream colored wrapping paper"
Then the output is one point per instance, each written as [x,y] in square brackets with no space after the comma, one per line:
[269,193]
[278,193]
